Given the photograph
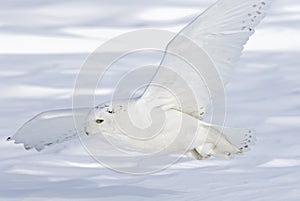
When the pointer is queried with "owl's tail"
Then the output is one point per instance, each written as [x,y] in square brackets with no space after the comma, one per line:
[242,138]
[224,142]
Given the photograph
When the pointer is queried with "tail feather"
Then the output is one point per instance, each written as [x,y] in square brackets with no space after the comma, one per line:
[242,138]
[225,142]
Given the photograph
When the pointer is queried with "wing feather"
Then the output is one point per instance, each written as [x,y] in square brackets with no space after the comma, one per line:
[221,32]
[50,127]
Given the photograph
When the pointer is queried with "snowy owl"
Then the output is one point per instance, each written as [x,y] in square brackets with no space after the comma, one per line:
[221,31]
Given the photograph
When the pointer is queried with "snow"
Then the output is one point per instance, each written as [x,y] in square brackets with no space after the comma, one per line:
[38,75]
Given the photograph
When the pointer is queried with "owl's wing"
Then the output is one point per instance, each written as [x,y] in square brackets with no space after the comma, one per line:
[49,128]
[220,33]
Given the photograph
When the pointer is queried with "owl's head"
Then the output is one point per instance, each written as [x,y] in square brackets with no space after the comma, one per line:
[101,119]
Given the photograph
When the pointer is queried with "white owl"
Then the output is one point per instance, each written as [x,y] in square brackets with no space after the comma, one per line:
[221,31]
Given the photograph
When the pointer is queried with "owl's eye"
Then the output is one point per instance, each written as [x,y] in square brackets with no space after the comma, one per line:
[99,121]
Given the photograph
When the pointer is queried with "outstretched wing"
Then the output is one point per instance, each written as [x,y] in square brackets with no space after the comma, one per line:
[221,32]
[49,128]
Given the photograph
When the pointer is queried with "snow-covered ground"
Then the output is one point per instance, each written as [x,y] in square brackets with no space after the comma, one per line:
[44,43]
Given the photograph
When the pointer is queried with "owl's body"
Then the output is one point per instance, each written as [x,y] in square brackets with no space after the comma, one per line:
[179,133]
